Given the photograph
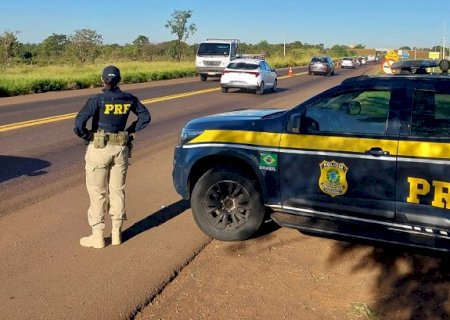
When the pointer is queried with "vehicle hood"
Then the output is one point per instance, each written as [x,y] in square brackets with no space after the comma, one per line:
[233,119]
[249,114]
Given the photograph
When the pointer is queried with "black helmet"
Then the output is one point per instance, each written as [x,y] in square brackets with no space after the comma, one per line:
[111,75]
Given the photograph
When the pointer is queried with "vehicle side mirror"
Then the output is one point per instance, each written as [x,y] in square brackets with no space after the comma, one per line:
[294,123]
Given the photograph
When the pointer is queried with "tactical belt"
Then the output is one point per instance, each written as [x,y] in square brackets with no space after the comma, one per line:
[102,138]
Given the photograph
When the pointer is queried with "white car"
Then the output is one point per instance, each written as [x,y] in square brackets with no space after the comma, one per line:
[250,74]
[348,62]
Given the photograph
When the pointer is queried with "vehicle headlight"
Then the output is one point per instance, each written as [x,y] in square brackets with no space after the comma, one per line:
[187,135]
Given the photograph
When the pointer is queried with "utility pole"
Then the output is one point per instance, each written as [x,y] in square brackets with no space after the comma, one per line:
[443,43]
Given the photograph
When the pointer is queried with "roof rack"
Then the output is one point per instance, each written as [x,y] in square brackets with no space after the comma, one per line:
[229,40]
[419,66]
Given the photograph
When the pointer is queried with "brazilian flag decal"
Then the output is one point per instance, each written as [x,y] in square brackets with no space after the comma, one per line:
[268,161]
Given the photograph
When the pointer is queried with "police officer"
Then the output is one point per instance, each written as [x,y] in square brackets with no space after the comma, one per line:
[107,154]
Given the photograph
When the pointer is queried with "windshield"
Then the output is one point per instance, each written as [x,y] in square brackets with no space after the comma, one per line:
[242,66]
[318,60]
[215,49]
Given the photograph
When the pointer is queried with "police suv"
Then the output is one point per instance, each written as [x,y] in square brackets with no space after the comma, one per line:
[369,158]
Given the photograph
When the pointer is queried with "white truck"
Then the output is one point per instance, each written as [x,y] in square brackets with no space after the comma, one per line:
[213,55]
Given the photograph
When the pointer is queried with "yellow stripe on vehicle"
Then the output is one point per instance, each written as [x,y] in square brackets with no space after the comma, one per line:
[421,149]
[327,144]
[333,143]
[238,136]
[295,141]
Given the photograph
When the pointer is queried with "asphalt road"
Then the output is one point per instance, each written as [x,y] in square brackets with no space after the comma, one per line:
[44,272]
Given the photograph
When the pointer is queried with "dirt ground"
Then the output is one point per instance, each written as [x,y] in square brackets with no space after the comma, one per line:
[285,274]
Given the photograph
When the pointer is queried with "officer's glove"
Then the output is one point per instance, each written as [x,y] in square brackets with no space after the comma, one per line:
[87,138]
[131,137]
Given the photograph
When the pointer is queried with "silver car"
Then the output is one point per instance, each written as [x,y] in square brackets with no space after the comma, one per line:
[321,65]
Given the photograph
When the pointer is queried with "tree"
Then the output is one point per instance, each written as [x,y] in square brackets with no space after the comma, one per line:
[263,47]
[178,26]
[359,46]
[55,45]
[143,47]
[26,51]
[8,42]
[85,44]
[404,48]
[339,51]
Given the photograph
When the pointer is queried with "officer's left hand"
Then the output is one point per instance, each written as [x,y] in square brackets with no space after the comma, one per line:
[88,138]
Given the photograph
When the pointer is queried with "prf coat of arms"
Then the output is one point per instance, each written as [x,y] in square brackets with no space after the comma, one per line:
[333,178]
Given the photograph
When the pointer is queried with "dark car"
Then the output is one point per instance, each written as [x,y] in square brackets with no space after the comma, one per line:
[321,65]
[369,158]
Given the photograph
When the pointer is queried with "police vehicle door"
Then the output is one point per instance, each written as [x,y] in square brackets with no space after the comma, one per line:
[423,187]
[343,158]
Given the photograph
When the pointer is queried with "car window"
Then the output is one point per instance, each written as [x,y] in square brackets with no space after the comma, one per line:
[431,114]
[356,112]
[266,66]
[242,66]
[262,66]
[213,49]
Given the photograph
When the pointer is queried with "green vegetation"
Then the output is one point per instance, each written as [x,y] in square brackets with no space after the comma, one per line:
[362,311]
[26,79]
[65,62]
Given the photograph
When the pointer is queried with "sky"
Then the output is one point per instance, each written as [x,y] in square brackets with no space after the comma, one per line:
[374,24]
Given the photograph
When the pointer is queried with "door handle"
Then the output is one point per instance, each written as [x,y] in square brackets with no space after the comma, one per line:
[377,152]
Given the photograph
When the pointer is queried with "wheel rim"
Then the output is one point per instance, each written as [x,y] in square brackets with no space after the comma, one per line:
[227,205]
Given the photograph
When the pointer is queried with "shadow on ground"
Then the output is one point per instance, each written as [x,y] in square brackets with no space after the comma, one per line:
[13,167]
[156,219]
[411,283]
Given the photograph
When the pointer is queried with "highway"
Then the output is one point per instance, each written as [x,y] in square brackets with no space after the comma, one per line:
[44,272]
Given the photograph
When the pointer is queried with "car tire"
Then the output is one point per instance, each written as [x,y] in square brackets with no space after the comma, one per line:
[275,86]
[224,90]
[260,90]
[203,77]
[226,204]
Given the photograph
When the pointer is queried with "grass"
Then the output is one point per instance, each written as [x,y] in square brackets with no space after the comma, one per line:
[360,310]
[26,79]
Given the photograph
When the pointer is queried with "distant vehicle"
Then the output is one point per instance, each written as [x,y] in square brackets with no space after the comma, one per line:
[371,58]
[321,65]
[213,55]
[348,62]
[251,74]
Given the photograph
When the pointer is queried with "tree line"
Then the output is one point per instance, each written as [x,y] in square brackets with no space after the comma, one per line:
[86,46]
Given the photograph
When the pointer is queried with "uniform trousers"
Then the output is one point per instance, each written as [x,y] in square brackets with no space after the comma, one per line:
[106,171]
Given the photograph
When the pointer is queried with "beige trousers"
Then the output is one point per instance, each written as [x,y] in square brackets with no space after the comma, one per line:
[106,171]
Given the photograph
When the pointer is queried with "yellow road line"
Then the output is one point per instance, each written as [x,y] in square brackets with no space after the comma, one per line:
[180,95]
[30,123]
